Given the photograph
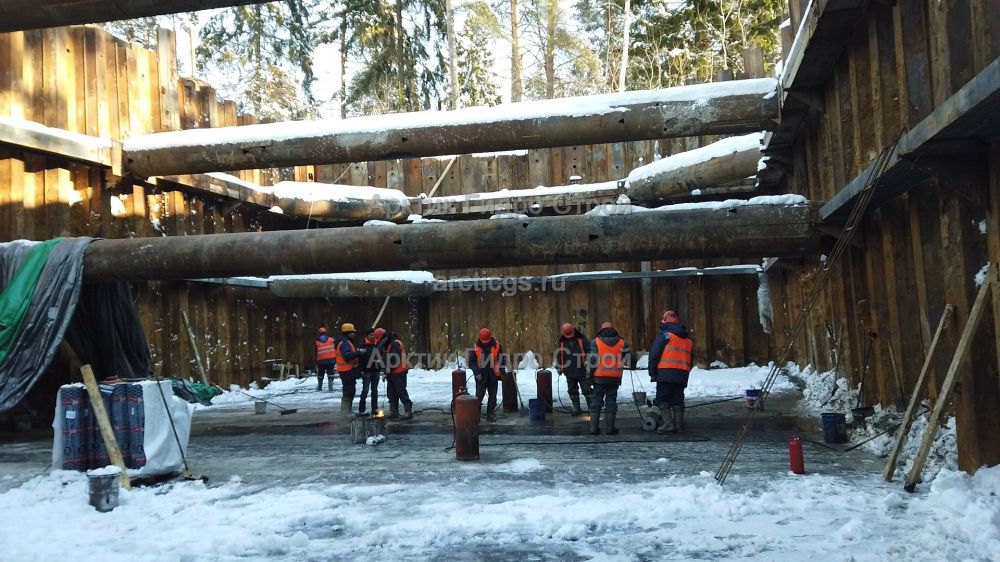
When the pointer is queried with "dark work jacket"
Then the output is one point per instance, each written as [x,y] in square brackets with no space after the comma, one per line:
[370,359]
[610,337]
[487,367]
[571,359]
[679,376]
[392,349]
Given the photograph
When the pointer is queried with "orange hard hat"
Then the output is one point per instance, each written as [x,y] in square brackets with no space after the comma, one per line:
[607,325]
[485,334]
[567,329]
[379,332]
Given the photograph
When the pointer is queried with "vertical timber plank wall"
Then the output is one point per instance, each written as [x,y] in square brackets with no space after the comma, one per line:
[921,250]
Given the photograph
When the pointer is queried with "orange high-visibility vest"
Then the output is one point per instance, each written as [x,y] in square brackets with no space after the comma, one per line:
[609,359]
[494,353]
[404,365]
[343,365]
[326,350]
[677,354]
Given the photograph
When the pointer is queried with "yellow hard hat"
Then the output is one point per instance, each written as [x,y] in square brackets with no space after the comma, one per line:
[347,328]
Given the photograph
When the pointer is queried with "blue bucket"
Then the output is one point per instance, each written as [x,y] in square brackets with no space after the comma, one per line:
[536,410]
[834,427]
[752,395]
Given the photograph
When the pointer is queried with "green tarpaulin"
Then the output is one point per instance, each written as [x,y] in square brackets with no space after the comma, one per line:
[16,297]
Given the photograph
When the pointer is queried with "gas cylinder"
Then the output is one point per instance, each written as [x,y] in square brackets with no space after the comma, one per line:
[795,456]
[466,428]
[543,382]
[458,377]
[508,385]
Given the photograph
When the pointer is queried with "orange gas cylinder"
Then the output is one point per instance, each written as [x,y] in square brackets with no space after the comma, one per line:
[466,428]
[458,377]
[543,382]
[795,456]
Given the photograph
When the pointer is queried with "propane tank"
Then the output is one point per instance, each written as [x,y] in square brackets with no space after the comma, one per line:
[458,377]
[508,383]
[466,428]
[543,382]
[795,456]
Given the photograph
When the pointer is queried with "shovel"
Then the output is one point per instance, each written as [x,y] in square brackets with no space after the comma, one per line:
[282,410]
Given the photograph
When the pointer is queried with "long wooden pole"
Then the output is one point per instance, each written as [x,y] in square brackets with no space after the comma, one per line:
[918,392]
[975,315]
[107,432]
[194,348]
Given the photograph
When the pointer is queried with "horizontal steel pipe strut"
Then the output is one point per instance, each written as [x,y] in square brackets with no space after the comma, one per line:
[16,15]
[749,231]
[726,108]
[348,288]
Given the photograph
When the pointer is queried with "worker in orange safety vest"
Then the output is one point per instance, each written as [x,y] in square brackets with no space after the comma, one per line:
[670,361]
[326,359]
[610,355]
[488,362]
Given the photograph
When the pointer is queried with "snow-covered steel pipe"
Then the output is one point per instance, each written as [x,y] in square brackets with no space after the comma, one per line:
[719,108]
[762,230]
[728,160]
[346,202]
[16,15]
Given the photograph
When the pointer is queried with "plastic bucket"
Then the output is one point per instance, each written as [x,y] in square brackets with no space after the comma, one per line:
[834,427]
[861,416]
[536,410]
[259,407]
[103,489]
[752,395]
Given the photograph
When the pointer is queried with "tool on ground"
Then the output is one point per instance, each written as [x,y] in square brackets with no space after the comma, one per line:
[187,474]
[872,336]
[282,411]
[194,349]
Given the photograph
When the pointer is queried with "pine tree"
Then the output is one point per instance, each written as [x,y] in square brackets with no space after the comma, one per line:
[478,84]
[265,53]
[566,65]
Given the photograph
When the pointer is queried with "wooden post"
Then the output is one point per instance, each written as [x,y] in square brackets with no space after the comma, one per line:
[911,409]
[975,315]
[107,432]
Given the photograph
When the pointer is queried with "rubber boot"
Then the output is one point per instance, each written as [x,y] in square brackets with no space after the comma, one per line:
[611,429]
[679,418]
[393,411]
[345,405]
[319,383]
[329,384]
[671,426]
[361,409]
[595,422]
[407,411]
[576,406]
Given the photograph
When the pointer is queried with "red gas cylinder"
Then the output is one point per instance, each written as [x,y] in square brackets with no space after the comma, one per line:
[466,428]
[543,380]
[458,377]
[795,456]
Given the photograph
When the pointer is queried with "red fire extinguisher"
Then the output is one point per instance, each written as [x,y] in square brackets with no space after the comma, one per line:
[795,456]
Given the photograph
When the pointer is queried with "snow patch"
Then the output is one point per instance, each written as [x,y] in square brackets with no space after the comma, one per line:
[980,277]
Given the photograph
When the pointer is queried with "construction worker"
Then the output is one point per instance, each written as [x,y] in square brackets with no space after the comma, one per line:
[487,361]
[326,359]
[610,354]
[370,367]
[347,366]
[397,366]
[571,362]
[670,360]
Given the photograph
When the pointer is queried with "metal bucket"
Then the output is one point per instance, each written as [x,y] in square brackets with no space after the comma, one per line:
[259,407]
[640,399]
[103,491]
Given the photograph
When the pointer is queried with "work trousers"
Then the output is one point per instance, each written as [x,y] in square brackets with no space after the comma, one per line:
[605,395]
[369,381]
[395,389]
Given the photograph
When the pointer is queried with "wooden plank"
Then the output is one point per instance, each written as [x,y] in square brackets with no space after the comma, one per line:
[916,397]
[986,33]
[104,423]
[975,315]
[993,230]
[912,45]
[167,81]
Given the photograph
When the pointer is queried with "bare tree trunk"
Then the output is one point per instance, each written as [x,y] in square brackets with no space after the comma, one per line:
[343,67]
[550,48]
[626,31]
[452,57]
[400,71]
[516,86]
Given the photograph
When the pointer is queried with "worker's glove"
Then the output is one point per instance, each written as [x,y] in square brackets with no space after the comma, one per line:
[479,379]
[499,376]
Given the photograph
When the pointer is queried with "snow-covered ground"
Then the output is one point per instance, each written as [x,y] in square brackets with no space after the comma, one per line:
[519,510]
[546,505]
